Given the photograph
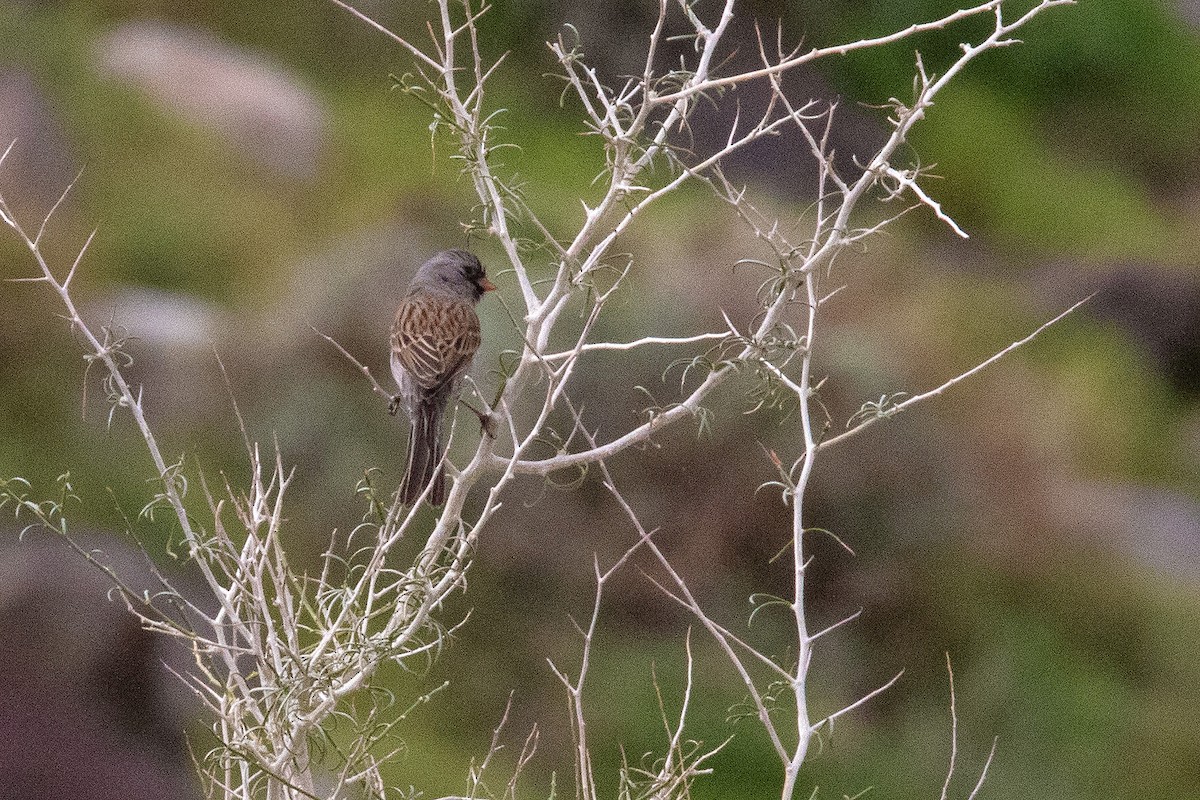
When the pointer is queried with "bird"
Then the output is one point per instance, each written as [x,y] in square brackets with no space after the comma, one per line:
[433,339]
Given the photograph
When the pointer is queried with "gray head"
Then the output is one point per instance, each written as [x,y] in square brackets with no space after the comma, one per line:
[453,272]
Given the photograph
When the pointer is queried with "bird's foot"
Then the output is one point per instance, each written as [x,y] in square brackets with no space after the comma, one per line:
[487,422]
[394,404]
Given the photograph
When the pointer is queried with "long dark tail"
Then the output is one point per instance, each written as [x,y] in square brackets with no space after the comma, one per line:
[425,457]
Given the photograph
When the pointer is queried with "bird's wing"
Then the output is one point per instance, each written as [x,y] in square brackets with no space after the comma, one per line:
[434,340]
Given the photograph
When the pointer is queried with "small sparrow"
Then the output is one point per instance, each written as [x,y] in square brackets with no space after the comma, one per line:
[434,337]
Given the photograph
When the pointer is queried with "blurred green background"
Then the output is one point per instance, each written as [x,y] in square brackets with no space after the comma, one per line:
[251,173]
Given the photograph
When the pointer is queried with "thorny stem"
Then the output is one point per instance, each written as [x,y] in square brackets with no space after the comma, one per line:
[804,729]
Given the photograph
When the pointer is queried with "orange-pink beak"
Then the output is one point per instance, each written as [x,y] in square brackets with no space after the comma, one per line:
[487,285]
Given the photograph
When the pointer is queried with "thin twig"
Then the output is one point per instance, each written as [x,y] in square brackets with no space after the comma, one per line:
[363,368]
[893,410]
[953,730]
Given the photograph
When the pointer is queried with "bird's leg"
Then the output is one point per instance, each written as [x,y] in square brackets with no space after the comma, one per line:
[487,423]
[394,404]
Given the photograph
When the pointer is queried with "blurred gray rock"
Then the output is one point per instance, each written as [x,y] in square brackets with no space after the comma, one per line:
[257,106]
[1157,527]
[88,708]
[171,338]
[1190,11]
[165,319]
